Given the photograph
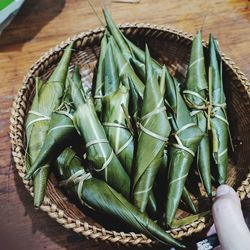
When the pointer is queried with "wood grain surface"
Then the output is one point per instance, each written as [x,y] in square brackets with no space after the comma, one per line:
[40,25]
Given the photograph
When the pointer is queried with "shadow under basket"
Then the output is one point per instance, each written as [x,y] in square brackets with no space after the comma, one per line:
[167,46]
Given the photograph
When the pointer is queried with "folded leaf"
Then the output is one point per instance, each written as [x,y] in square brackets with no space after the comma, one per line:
[153,135]
[111,77]
[129,50]
[195,95]
[102,198]
[184,143]
[188,201]
[118,36]
[124,67]
[47,100]
[115,125]
[218,119]
[190,219]
[161,191]
[100,155]
[97,90]
[61,130]
[119,133]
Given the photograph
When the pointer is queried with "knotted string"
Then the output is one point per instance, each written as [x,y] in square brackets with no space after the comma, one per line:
[211,109]
[41,116]
[117,125]
[178,140]
[77,178]
[106,163]
[149,132]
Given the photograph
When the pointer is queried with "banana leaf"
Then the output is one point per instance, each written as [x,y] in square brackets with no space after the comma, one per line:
[115,125]
[130,51]
[187,199]
[218,118]
[61,130]
[135,102]
[190,219]
[119,133]
[99,196]
[100,154]
[39,85]
[124,67]
[118,36]
[161,191]
[184,143]
[47,100]
[97,90]
[111,77]
[154,131]
[195,95]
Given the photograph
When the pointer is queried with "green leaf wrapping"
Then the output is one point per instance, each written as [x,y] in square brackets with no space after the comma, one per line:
[100,76]
[195,96]
[218,120]
[190,219]
[99,152]
[185,140]
[135,102]
[115,125]
[39,85]
[153,135]
[102,198]
[186,197]
[161,190]
[129,50]
[118,133]
[38,119]
[118,36]
[111,77]
[124,67]
[61,129]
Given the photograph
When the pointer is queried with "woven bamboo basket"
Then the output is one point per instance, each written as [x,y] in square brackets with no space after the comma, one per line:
[170,47]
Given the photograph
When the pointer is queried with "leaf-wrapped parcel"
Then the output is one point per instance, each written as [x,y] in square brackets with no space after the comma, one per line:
[195,95]
[129,50]
[61,130]
[47,98]
[154,130]
[99,196]
[111,76]
[99,152]
[119,132]
[115,125]
[97,90]
[185,140]
[218,116]
[124,67]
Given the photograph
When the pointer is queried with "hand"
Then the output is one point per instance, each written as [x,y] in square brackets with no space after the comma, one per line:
[229,222]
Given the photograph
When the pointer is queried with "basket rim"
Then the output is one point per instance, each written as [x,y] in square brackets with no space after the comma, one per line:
[84,228]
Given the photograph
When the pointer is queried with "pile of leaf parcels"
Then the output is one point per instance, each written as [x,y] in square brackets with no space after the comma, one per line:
[125,148]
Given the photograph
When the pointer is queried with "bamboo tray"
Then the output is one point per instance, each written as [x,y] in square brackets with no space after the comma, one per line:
[168,46]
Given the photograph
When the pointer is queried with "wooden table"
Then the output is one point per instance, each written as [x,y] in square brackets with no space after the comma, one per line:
[42,24]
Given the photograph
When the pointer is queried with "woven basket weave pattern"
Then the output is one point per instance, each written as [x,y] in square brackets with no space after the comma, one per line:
[168,46]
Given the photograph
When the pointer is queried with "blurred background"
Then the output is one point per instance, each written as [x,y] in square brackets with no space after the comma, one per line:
[40,25]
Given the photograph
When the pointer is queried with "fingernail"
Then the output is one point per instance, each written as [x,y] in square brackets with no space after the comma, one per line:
[222,190]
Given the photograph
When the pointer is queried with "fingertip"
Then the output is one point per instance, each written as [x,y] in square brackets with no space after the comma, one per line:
[222,203]
[228,219]
[225,190]
[222,190]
